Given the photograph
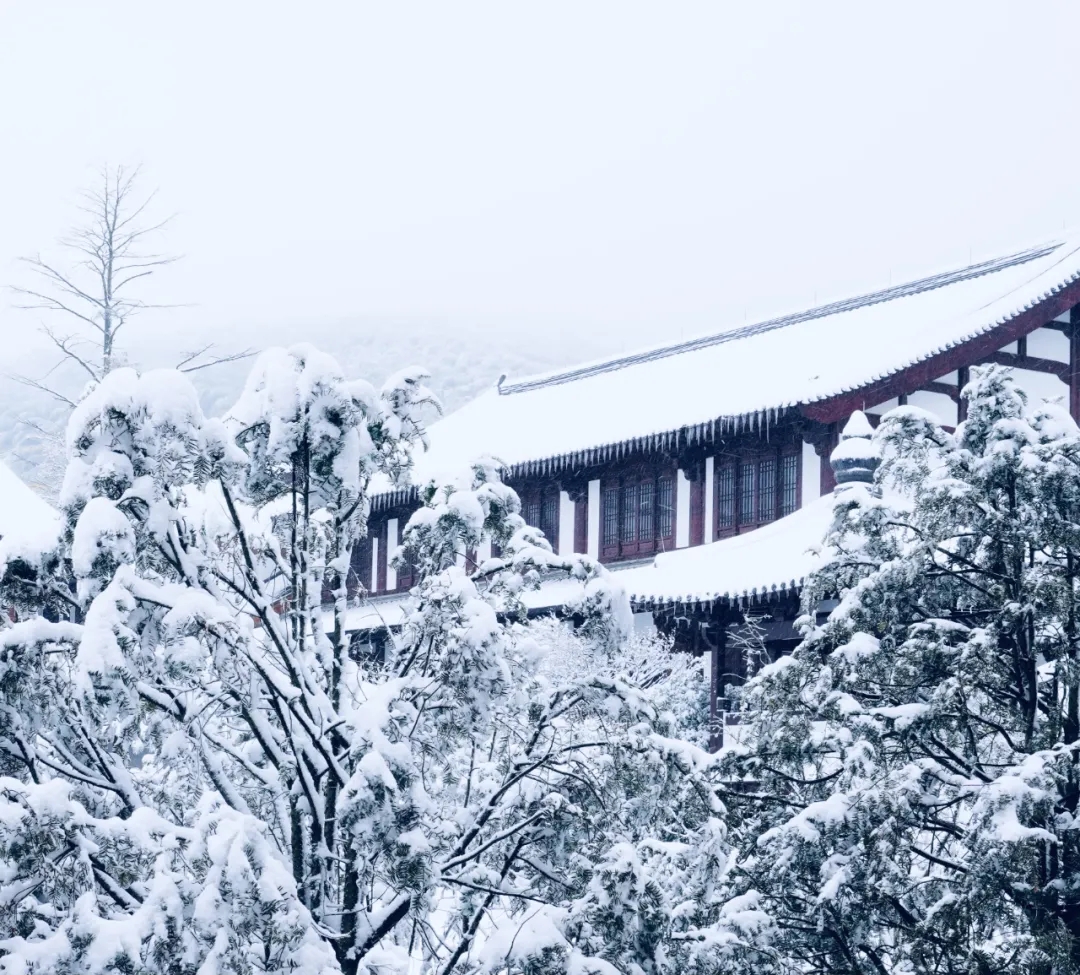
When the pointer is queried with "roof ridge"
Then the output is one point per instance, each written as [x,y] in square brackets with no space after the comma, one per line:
[917,286]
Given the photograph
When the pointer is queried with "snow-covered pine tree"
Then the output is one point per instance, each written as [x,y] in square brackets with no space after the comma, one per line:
[199,776]
[914,778]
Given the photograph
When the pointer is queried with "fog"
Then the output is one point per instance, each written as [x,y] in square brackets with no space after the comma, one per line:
[549,180]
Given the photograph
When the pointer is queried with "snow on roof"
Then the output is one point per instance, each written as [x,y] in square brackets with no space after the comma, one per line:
[775,557]
[750,371]
[29,525]
[379,612]
[375,613]
[23,513]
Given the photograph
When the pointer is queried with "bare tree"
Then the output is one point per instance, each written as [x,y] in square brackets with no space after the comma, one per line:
[96,293]
[88,296]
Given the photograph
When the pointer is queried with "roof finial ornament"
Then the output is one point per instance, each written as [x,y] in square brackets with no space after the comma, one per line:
[498,385]
[856,457]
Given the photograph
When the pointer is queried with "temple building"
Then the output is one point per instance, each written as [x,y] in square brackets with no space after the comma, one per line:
[700,468]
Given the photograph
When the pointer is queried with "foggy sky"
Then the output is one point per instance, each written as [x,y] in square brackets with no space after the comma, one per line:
[651,170]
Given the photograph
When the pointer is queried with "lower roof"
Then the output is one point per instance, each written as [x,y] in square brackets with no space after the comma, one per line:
[24,514]
[769,561]
[753,568]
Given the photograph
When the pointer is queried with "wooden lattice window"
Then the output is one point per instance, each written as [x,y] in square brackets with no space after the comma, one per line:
[540,509]
[789,483]
[637,514]
[725,497]
[754,488]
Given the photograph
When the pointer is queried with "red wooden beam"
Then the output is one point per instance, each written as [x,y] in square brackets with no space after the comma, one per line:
[918,375]
[1034,363]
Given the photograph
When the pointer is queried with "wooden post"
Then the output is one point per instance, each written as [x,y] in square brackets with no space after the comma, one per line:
[824,448]
[697,509]
[717,650]
[962,376]
[578,492]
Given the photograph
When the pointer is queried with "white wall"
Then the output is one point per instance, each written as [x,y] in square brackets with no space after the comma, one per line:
[594,519]
[565,544]
[710,465]
[375,565]
[391,547]
[811,474]
[1048,343]
[483,551]
[943,407]
[682,511]
[1041,385]
[880,409]
[644,624]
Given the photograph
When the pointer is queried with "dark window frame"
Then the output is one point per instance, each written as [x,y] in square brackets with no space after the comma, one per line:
[540,507]
[637,512]
[754,487]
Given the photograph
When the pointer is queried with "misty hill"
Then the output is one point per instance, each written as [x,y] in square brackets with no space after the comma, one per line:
[463,361]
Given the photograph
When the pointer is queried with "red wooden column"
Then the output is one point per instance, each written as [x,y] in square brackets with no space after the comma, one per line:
[1074,363]
[581,522]
[824,448]
[697,508]
[578,493]
[717,657]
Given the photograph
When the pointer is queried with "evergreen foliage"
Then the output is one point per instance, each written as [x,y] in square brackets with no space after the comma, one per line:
[199,774]
[911,776]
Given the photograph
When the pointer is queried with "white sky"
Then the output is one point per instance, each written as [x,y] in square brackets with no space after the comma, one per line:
[653,169]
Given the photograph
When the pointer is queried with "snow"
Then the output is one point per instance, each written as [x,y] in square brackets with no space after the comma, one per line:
[904,715]
[22,512]
[857,426]
[855,448]
[746,374]
[775,556]
[102,529]
[390,611]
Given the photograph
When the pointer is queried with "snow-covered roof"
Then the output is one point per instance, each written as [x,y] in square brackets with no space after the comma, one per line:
[747,373]
[753,567]
[379,612]
[770,560]
[24,514]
